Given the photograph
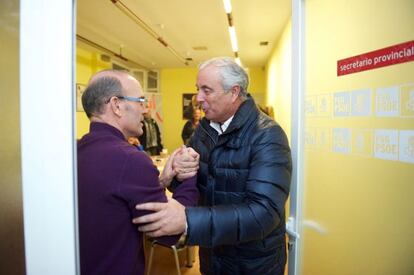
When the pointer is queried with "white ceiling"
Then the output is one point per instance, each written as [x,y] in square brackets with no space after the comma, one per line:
[183,24]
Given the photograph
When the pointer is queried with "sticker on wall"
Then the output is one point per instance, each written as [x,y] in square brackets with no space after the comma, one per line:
[310,106]
[341,140]
[387,102]
[310,138]
[407,146]
[361,103]
[324,105]
[395,54]
[362,142]
[342,104]
[407,100]
[386,144]
[323,138]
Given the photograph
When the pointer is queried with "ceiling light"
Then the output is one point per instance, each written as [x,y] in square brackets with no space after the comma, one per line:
[233,39]
[238,61]
[200,48]
[232,31]
[227,6]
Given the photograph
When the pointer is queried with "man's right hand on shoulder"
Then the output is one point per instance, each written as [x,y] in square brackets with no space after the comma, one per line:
[168,218]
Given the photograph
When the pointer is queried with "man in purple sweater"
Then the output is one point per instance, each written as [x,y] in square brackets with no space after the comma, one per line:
[113,177]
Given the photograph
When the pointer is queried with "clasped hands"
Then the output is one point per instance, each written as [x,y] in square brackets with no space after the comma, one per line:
[182,164]
[168,218]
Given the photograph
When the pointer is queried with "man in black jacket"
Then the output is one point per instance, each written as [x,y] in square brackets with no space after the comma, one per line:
[151,136]
[244,179]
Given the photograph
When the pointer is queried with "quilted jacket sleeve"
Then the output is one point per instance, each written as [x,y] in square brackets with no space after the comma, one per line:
[262,210]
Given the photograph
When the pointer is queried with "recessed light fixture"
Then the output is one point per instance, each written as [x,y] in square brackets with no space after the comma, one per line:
[264,43]
[200,48]
[105,58]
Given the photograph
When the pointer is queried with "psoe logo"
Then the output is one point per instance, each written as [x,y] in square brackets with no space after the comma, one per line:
[386,144]
[407,146]
[410,101]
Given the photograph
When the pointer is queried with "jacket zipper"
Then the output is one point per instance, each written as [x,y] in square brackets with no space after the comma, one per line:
[208,134]
[208,178]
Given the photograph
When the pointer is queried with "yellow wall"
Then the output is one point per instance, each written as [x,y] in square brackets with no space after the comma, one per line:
[257,86]
[278,78]
[363,202]
[87,63]
[257,81]
[174,83]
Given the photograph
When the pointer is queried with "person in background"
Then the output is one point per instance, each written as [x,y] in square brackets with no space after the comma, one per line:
[113,176]
[244,180]
[151,136]
[134,141]
[190,126]
[188,111]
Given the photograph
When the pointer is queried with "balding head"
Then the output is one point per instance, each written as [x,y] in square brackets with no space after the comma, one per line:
[102,86]
[108,73]
[113,97]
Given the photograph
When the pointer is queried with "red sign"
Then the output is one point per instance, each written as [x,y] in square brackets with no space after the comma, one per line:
[396,54]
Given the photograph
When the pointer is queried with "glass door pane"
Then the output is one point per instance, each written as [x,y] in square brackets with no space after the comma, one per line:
[359,138]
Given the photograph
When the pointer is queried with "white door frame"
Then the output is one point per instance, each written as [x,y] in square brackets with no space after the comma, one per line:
[48,136]
[294,224]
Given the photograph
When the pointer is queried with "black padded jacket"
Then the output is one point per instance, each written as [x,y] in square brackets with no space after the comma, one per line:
[244,181]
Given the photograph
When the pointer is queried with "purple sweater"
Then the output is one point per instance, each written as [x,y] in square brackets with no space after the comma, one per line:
[112,178]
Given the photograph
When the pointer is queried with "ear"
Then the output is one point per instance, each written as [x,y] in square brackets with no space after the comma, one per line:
[235,91]
[115,106]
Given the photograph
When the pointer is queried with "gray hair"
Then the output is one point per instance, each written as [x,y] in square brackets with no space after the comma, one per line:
[98,92]
[231,74]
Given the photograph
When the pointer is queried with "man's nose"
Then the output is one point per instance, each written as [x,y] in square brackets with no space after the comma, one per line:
[200,96]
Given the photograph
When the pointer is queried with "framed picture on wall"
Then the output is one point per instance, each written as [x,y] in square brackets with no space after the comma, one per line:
[80,88]
[189,100]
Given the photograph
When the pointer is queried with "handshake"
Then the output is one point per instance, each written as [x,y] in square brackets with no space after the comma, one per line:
[182,164]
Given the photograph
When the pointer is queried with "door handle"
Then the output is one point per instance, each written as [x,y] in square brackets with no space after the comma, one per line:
[290,228]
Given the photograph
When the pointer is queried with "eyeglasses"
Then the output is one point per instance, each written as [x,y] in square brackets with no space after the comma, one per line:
[135,99]
[129,98]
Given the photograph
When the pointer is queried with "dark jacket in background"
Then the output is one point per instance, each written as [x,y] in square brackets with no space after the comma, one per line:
[244,181]
[187,131]
[113,176]
[143,139]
